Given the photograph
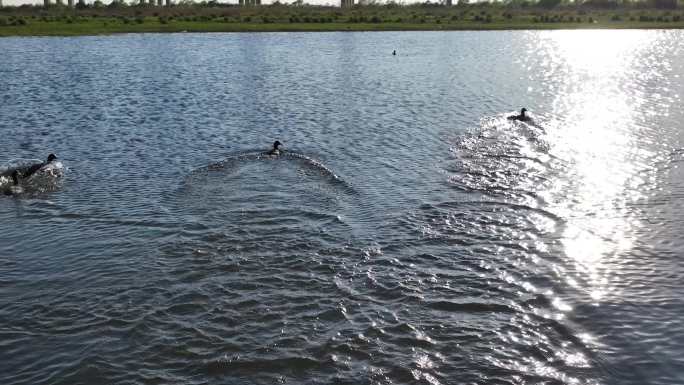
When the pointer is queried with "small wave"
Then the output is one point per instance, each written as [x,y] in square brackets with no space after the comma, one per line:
[234,161]
[470,307]
[246,366]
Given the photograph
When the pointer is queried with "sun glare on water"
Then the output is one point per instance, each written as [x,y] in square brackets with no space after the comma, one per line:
[595,124]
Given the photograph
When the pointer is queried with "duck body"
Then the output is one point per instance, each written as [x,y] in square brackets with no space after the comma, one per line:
[27,171]
[522,117]
[275,151]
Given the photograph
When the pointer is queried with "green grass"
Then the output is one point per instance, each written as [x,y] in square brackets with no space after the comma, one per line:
[62,21]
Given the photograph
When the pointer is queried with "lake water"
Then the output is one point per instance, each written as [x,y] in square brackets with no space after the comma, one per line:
[410,234]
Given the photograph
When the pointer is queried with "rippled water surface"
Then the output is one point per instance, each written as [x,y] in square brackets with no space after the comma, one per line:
[410,234]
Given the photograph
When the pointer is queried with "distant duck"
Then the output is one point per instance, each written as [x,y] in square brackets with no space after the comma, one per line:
[275,151]
[394,53]
[522,117]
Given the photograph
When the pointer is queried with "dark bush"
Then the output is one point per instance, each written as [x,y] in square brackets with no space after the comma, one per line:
[611,4]
[375,19]
[549,3]
[668,4]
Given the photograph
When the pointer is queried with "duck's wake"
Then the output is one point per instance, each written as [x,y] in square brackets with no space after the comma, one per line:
[233,162]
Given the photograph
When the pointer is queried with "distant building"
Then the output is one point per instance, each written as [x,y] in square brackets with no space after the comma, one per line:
[346,3]
[46,3]
[448,3]
[70,3]
[168,3]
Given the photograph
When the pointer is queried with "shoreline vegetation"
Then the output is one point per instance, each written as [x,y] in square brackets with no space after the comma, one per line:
[120,17]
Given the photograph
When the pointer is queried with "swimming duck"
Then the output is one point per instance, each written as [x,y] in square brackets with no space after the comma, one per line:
[26,171]
[522,117]
[30,170]
[275,151]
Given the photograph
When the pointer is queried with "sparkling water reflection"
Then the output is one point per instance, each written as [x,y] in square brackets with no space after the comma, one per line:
[411,233]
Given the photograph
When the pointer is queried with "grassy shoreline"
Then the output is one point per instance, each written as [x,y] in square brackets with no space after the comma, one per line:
[63,21]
